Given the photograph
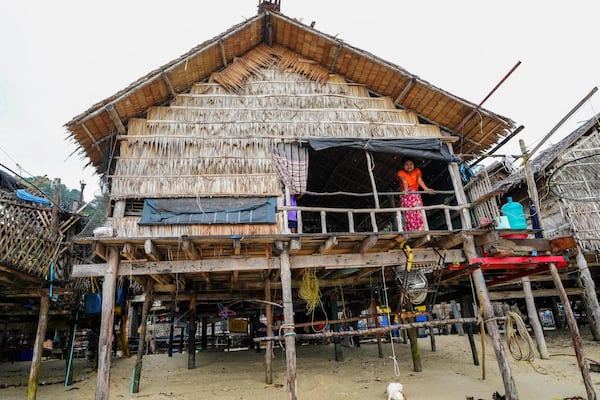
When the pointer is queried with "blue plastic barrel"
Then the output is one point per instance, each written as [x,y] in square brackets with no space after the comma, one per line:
[514,212]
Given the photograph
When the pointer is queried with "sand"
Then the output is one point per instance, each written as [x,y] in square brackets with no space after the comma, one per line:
[448,373]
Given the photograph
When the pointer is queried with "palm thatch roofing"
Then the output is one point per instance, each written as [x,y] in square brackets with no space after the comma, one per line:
[540,164]
[92,129]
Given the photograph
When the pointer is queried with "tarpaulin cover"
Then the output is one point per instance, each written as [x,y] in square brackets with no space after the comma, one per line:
[216,210]
[418,148]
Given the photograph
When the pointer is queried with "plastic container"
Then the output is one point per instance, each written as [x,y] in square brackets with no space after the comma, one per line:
[514,212]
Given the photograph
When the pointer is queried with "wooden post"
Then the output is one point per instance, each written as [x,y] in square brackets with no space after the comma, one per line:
[468,312]
[337,342]
[70,347]
[456,315]
[106,325]
[491,324]
[171,329]
[373,308]
[269,344]
[575,336]
[38,348]
[204,336]
[288,327]
[372,179]
[137,370]
[556,313]
[192,334]
[414,347]
[534,319]
[591,300]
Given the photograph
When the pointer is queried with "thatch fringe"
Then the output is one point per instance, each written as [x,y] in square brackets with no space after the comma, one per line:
[245,114]
[234,76]
[284,100]
[177,185]
[128,227]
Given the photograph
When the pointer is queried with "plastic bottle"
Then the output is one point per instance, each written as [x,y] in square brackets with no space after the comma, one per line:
[514,212]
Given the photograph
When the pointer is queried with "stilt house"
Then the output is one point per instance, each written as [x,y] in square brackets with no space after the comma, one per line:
[202,157]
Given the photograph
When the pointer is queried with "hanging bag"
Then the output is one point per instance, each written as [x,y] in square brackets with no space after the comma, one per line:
[93,300]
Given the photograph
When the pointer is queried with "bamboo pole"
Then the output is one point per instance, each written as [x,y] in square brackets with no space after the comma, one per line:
[71,346]
[371,331]
[38,348]
[106,325]
[491,324]
[591,300]
[575,336]
[137,370]
[288,324]
[534,319]
[192,335]
[269,347]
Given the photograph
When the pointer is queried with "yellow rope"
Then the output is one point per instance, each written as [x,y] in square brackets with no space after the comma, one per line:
[309,292]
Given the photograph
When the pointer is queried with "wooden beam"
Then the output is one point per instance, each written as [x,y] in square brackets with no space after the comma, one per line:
[99,249]
[152,251]
[128,251]
[331,261]
[189,249]
[405,91]
[329,244]
[335,57]
[223,56]
[367,243]
[116,120]
[21,275]
[36,361]
[237,246]
[167,82]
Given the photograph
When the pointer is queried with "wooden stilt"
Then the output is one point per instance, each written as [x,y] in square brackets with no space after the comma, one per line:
[38,348]
[106,325]
[192,335]
[491,324]
[575,336]
[171,329]
[337,341]
[204,337]
[288,324]
[534,319]
[414,347]
[556,314]
[468,312]
[269,345]
[456,315]
[70,347]
[590,297]
[373,308]
[137,370]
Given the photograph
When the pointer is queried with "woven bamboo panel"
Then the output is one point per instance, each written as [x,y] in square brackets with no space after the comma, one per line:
[26,241]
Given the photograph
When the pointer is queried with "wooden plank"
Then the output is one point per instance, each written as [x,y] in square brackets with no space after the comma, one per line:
[331,261]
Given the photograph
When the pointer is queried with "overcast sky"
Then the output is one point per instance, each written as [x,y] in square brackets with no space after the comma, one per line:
[60,57]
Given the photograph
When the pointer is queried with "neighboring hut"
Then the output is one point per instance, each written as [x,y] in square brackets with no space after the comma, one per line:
[203,156]
[566,178]
[36,258]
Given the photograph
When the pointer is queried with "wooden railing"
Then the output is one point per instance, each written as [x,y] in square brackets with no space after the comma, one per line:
[394,214]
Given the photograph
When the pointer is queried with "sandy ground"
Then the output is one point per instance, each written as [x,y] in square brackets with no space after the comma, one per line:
[448,373]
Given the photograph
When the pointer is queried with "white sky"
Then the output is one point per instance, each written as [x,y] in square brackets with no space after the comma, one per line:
[60,57]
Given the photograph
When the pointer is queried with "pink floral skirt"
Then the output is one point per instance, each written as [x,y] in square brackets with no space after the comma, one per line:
[413,220]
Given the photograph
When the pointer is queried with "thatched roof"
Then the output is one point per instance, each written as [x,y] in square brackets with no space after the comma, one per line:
[540,164]
[92,128]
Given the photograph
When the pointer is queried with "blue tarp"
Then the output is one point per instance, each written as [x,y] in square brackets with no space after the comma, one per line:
[216,210]
[24,195]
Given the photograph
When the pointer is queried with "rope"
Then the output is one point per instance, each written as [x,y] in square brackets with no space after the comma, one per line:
[387,308]
[515,338]
[309,292]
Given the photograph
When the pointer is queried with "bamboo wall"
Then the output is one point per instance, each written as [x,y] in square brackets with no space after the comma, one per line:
[216,139]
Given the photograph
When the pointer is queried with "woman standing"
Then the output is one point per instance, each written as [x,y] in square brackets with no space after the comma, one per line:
[410,179]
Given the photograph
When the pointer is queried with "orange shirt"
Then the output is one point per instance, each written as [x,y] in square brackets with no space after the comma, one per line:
[411,179]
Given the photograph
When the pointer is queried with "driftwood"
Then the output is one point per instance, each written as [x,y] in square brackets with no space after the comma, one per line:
[372,331]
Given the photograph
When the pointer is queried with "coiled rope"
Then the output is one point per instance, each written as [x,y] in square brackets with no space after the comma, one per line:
[309,292]
[515,338]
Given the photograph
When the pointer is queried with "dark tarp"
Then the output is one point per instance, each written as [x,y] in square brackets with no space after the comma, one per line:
[417,148]
[216,210]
